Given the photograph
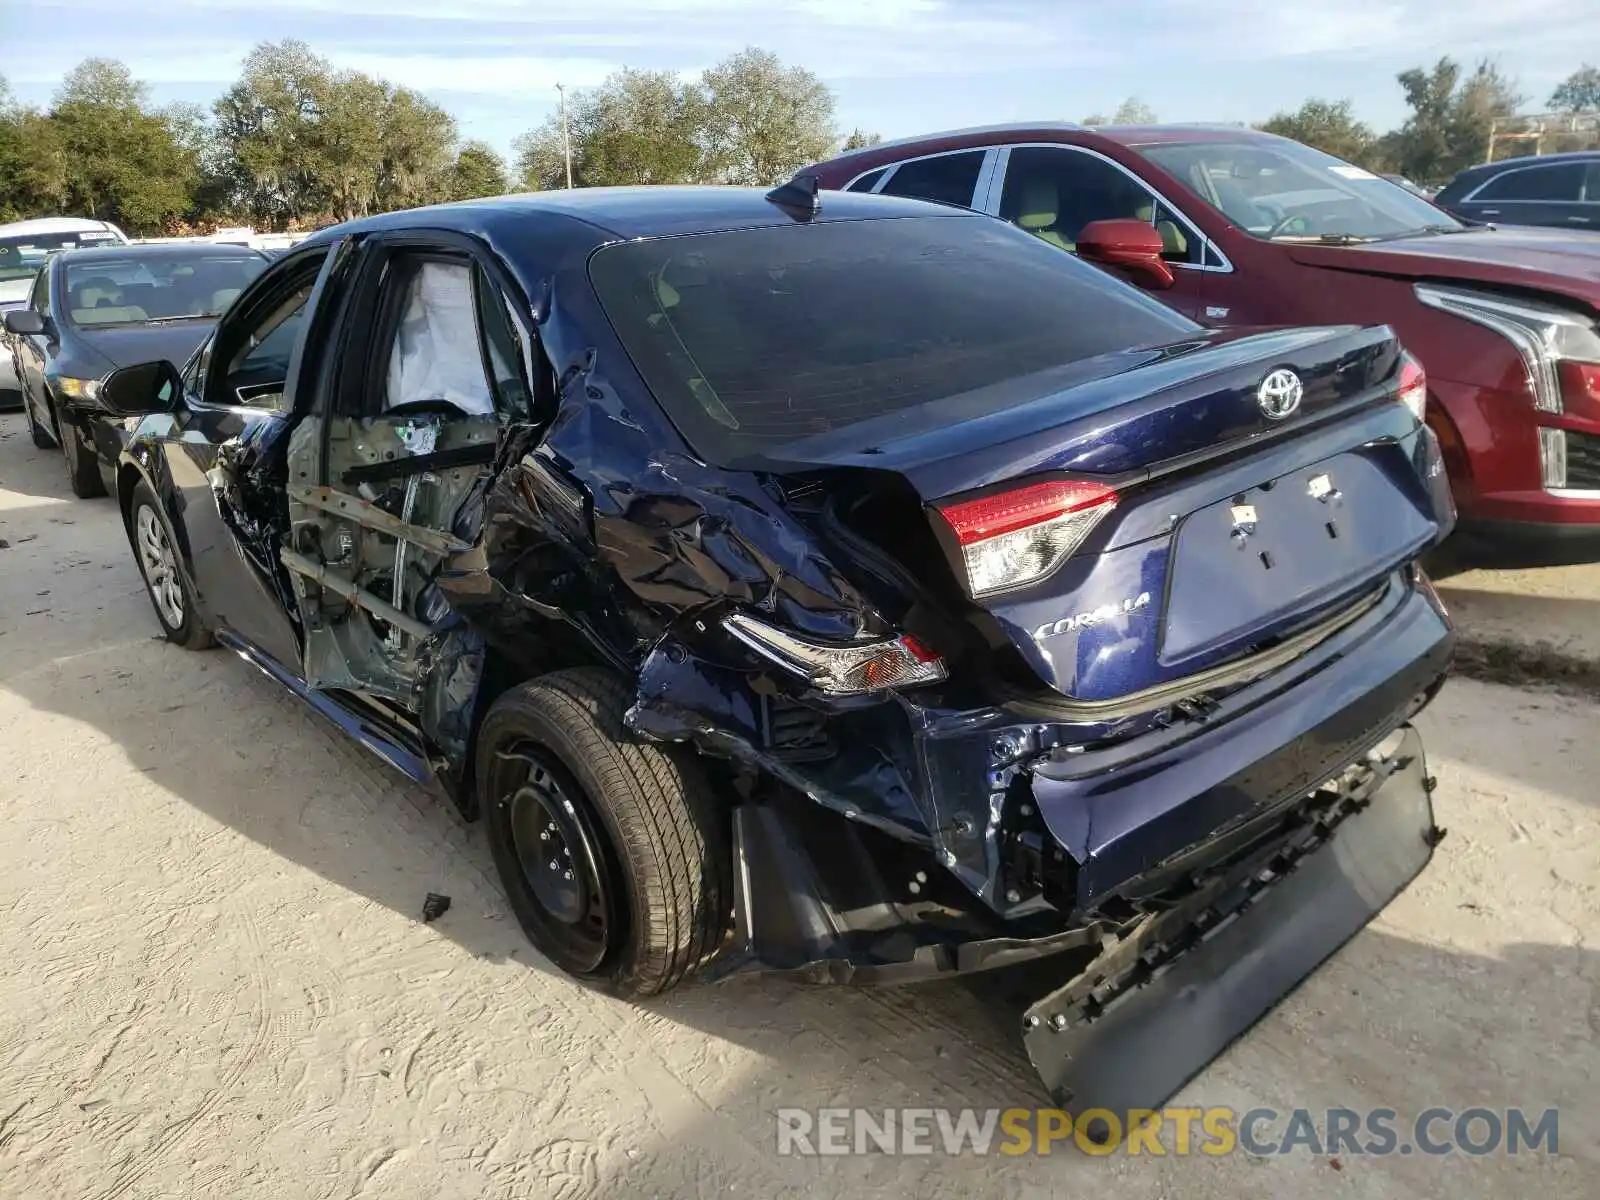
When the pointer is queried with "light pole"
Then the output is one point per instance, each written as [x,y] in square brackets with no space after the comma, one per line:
[566,136]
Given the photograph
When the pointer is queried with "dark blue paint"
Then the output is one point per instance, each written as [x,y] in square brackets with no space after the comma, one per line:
[602,538]
[386,748]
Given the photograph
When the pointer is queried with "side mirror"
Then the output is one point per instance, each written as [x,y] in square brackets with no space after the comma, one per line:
[150,387]
[24,321]
[1129,246]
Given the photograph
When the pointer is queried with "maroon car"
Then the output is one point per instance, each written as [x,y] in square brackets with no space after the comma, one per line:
[1236,227]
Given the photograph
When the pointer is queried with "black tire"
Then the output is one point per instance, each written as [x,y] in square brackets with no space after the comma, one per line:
[176,610]
[42,437]
[645,840]
[83,464]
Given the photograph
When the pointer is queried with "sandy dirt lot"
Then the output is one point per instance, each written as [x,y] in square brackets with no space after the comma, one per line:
[216,981]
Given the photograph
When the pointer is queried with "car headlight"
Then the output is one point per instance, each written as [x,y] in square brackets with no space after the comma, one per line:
[1545,335]
[78,389]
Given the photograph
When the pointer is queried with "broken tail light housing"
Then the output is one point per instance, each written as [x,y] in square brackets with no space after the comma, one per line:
[1022,535]
[1413,388]
[841,668]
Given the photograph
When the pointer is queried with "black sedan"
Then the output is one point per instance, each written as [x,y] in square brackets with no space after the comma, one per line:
[91,311]
[1561,190]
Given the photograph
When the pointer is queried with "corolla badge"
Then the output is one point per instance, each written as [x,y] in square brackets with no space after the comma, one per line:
[1087,620]
[1280,394]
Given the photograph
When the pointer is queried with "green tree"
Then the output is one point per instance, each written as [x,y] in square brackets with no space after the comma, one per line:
[344,145]
[1328,126]
[860,140]
[124,162]
[1134,111]
[1487,97]
[765,119]
[477,171]
[1578,92]
[637,127]
[265,127]
[1450,120]
[419,151]
[33,171]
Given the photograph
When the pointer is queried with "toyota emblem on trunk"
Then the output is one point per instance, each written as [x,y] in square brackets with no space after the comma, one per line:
[1279,394]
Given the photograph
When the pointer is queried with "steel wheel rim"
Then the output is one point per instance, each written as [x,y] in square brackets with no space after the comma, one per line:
[559,855]
[160,566]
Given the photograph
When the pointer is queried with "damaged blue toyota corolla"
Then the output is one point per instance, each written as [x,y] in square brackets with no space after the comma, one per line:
[843,585]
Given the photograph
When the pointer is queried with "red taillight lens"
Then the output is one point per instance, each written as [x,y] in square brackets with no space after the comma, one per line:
[1020,536]
[1413,387]
[1580,386]
[1007,512]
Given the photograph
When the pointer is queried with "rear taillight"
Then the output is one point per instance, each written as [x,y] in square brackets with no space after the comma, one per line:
[841,668]
[1020,536]
[1413,388]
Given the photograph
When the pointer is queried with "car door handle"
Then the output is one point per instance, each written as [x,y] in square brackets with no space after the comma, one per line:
[1579,220]
[1489,212]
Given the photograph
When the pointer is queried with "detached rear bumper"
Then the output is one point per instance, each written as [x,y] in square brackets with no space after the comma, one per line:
[1154,1011]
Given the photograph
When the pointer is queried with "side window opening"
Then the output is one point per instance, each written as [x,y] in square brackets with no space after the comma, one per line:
[258,369]
[436,355]
[1556,183]
[945,178]
[868,181]
[447,339]
[1053,193]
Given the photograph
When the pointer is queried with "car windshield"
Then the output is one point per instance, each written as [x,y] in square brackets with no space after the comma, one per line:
[752,339]
[21,255]
[1289,192]
[135,289]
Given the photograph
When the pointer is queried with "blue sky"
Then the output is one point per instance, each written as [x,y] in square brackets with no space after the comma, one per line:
[898,67]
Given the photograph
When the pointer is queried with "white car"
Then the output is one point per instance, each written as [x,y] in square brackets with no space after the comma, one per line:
[24,245]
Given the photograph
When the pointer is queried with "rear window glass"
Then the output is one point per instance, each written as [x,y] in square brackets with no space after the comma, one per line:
[755,338]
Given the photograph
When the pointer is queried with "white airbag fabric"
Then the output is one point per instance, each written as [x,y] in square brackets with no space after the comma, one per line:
[436,354]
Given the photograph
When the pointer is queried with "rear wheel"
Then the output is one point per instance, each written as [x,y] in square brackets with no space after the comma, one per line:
[171,594]
[83,465]
[613,851]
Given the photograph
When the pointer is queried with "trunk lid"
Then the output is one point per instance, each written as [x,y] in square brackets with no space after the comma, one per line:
[1230,527]
[1109,415]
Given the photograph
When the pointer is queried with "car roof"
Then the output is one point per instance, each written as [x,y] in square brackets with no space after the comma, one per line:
[178,250]
[980,136]
[638,212]
[55,225]
[1524,160]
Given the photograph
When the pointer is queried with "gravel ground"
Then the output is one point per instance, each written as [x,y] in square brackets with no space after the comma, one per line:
[218,983]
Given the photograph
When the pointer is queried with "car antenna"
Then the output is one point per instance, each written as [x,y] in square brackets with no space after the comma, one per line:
[798,197]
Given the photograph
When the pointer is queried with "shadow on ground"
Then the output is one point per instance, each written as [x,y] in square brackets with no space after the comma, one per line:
[1388,1022]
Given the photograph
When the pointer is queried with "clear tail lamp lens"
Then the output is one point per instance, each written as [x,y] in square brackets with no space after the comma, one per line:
[1544,335]
[841,668]
[1020,536]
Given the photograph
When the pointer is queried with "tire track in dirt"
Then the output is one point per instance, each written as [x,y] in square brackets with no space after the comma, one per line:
[180,1131]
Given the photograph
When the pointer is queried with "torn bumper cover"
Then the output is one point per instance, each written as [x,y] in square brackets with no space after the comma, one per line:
[1155,1009]
[1131,1010]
